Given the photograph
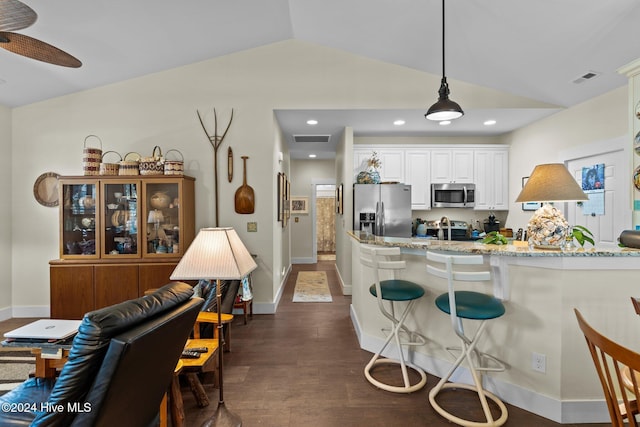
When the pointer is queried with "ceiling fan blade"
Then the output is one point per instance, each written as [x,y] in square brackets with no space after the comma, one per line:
[15,15]
[36,49]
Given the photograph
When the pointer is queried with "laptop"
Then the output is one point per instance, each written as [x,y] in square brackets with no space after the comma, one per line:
[45,329]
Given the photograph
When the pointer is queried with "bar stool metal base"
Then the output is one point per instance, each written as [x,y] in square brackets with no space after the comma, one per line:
[467,423]
[376,360]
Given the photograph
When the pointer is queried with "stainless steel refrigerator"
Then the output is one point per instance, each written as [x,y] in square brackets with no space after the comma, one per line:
[382,209]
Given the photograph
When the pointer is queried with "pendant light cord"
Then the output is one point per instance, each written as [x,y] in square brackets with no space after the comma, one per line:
[443,74]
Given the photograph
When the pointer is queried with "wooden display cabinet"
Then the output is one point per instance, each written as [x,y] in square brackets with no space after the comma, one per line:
[119,236]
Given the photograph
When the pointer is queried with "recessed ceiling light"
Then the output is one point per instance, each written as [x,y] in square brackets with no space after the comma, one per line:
[444,122]
[312,122]
[399,122]
[490,122]
[313,156]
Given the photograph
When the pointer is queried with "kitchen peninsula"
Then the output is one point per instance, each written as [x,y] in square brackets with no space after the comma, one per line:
[540,289]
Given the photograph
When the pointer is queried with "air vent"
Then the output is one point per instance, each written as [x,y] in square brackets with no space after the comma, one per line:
[311,138]
[589,75]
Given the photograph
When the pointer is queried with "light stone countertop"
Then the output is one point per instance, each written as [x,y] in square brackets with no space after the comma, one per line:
[516,249]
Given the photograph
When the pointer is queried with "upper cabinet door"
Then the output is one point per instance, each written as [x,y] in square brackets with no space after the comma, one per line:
[120,220]
[491,179]
[451,165]
[392,163]
[418,176]
[392,168]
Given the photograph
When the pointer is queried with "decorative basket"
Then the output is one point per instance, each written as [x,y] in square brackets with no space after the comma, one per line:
[91,157]
[130,167]
[110,168]
[173,167]
[153,165]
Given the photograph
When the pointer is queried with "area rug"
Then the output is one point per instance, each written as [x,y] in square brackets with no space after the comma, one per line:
[15,367]
[312,286]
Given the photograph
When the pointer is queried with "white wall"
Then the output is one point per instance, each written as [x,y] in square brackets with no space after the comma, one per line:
[599,119]
[160,109]
[344,176]
[5,212]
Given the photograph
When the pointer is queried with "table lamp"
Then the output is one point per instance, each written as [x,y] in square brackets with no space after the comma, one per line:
[155,218]
[552,182]
[216,254]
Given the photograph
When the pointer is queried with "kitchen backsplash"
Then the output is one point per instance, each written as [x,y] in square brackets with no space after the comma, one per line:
[468,215]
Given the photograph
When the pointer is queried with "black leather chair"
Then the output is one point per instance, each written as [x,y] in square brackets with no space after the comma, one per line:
[119,367]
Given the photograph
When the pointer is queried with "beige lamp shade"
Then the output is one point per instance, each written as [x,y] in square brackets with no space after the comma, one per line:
[551,182]
[216,253]
[155,216]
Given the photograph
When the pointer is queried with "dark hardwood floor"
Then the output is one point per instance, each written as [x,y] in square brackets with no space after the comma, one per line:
[303,367]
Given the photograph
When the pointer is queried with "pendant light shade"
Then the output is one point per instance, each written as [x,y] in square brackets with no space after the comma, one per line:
[444,108]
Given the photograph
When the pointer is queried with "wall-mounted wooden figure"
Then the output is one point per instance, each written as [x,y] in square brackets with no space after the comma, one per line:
[245,198]
[216,141]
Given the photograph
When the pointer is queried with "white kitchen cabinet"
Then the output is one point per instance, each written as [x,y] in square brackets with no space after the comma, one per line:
[392,160]
[417,166]
[452,165]
[491,168]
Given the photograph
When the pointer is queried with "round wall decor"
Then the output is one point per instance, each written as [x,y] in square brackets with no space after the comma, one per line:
[45,189]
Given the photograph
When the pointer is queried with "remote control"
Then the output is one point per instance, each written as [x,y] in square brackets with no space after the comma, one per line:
[190,354]
[199,349]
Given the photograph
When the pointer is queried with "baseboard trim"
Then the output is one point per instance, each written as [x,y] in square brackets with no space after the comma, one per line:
[305,260]
[566,412]
[5,313]
[272,307]
[346,289]
[42,311]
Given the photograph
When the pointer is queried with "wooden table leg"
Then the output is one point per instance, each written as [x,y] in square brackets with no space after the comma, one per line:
[199,393]
[177,404]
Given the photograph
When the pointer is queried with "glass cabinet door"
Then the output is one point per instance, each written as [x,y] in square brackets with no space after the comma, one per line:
[79,219]
[120,224]
[162,204]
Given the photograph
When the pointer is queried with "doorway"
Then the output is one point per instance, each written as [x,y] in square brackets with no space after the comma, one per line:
[606,226]
[324,203]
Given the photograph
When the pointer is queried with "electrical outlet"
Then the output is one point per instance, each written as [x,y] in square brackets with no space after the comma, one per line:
[538,362]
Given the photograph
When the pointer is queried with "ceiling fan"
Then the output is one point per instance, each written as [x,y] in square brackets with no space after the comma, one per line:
[15,15]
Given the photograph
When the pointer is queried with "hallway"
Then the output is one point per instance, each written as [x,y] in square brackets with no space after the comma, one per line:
[303,367]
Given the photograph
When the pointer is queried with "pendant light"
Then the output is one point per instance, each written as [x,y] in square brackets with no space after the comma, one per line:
[444,108]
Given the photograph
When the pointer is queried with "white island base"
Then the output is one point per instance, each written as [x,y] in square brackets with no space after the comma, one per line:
[541,289]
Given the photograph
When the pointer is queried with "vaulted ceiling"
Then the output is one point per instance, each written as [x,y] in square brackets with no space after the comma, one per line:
[536,49]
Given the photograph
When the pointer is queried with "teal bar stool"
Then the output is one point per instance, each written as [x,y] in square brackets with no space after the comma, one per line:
[473,306]
[388,293]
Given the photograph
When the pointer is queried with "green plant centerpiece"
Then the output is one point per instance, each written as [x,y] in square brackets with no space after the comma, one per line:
[581,235]
[371,174]
[494,238]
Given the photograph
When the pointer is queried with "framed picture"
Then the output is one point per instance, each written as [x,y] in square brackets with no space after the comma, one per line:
[281,195]
[287,203]
[299,205]
[529,206]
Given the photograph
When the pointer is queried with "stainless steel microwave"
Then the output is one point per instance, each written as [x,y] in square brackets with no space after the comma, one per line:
[453,195]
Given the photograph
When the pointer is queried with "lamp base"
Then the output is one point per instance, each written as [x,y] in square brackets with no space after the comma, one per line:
[223,418]
[547,247]
[547,228]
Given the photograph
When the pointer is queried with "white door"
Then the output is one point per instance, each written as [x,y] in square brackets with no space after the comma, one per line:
[617,210]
